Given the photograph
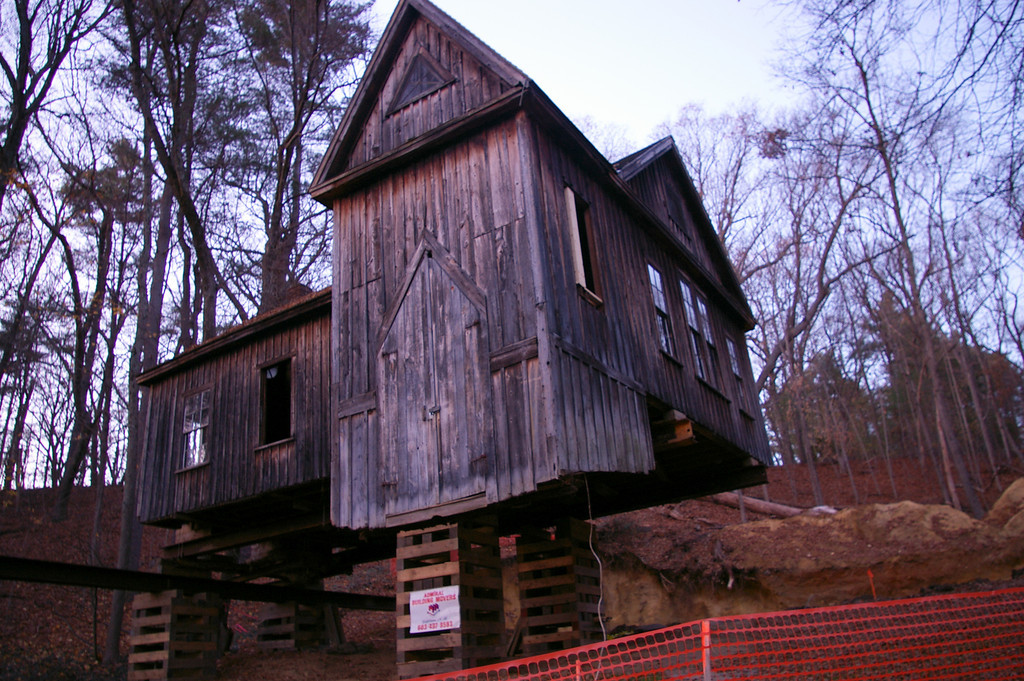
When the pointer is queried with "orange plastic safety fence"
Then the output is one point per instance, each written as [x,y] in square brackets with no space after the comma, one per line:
[956,636]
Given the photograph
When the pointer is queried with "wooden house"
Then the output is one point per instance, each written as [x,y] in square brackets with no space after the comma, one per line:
[518,333]
[518,324]
[514,324]
[238,428]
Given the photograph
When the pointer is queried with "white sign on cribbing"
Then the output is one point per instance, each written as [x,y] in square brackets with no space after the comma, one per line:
[434,610]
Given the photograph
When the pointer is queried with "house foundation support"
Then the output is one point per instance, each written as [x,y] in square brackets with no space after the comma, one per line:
[559,588]
[175,635]
[433,564]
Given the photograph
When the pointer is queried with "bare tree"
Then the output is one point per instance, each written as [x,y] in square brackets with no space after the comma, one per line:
[913,125]
[46,31]
[293,62]
[166,52]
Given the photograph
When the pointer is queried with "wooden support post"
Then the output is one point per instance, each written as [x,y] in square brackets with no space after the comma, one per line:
[559,588]
[291,626]
[175,635]
[463,555]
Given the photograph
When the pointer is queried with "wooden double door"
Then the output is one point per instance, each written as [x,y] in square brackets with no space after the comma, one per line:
[433,383]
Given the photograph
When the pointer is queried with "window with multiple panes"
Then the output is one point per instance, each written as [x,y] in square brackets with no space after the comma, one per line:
[196,429]
[702,339]
[737,373]
[661,310]
[276,421]
[582,234]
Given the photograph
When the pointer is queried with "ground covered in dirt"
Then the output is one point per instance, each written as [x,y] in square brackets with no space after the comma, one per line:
[661,566]
[688,561]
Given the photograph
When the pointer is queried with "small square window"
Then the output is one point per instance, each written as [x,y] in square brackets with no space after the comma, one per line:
[276,421]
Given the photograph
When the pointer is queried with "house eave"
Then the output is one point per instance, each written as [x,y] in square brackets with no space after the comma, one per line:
[418,147]
[304,308]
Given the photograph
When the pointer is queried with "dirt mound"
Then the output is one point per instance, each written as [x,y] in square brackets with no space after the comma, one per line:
[661,566]
[1010,504]
[884,551]
[877,551]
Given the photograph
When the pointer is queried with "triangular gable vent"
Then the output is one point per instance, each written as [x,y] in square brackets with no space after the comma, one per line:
[423,77]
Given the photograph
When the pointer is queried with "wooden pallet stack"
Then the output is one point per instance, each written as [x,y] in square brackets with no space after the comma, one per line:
[465,555]
[174,635]
[290,626]
[559,588]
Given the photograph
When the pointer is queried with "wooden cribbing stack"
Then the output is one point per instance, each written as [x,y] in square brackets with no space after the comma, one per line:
[559,588]
[463,554]
[292,626]
[175,635]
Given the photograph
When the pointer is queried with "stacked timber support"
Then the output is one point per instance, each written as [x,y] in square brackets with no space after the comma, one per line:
[559,588]
[174,635]
[291,626]
[463,555]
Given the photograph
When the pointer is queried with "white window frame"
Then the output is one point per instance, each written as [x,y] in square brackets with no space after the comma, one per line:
[195,428]
[662,320]
[575,206]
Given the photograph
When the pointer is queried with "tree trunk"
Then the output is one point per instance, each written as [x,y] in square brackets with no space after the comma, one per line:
[145,349]
[13,459]
[735,500]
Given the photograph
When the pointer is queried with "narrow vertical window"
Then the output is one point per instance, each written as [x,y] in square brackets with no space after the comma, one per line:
[696,344]
[734,358]
[702,339]
[276,402]
[660,310]
[582,236]
[196,428]
[737,373]
[709,340]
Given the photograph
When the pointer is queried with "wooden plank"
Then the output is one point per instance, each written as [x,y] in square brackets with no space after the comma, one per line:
[144,657]
[428,549]
[515,353]
[428,642]
[546,564]
[146,674]
[428,572]
[564,637]
[149,639]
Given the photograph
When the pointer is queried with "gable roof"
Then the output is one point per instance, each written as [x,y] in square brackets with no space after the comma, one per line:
[665,150]
[335,176]
[313,304]
[379,69]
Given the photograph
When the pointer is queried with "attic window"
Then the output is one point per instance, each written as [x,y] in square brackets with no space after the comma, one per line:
[423,77]
[276,403]
[582,234]
[196,428]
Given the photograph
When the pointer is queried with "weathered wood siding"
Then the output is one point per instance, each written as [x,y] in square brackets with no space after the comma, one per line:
[611,357]
[660,191]
[238,467]
[660,188]
[474,85]
[466,207]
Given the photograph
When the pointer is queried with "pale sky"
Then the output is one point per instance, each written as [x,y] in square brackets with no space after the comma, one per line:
[634,63]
